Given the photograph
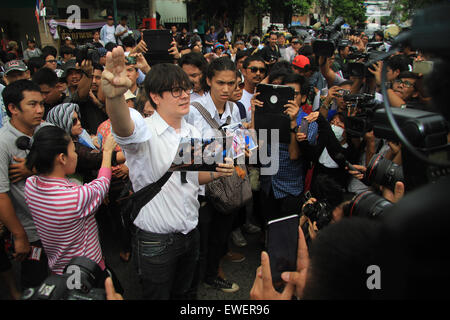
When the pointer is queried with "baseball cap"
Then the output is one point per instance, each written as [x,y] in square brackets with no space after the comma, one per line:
[218,45]
[69,65]
[17,65]
[300,61]
[129,95]
[67,38]
[195,31]
[109,18]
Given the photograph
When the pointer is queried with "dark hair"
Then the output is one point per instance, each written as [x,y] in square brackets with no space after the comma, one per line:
[220,64]
[45,76]
[13,93]
[35,63]
[340,256]
[408,74]
[48,143]
[296,78]
[279,69]
[163,77]
[128,41]
[46,54]
[110,46]
[98,66]
[325,188]
[65,50]
[346,83]
[240,54]
[398,62]
[49,50]
[124,18]
[198,60]
[251,59]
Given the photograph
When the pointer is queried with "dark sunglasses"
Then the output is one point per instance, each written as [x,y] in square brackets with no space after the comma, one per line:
[255,70]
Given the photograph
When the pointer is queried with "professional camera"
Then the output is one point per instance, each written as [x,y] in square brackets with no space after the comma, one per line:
[364,105]
[318,212]
[328,39]
[384,172]
[360,63]
[86,52]
[366,205]
[57,287]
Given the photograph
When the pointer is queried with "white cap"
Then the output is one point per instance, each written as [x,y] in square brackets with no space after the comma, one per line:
[195,31]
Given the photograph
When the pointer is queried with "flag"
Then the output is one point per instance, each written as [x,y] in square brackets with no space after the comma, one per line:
[39,7]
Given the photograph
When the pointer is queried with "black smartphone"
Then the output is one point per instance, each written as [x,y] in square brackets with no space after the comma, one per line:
[282,245]
[304,125]
[130,60]
[158,43]
[274,97]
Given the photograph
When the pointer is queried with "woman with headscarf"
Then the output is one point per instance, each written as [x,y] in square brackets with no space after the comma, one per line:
[67,117]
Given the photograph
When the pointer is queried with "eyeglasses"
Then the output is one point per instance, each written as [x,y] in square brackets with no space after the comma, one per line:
[178,91]
[51,61]
[255,70]
[241,85]
[296,93]
[406,83]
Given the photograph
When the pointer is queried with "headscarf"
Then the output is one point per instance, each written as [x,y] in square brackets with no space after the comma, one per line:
[61,116]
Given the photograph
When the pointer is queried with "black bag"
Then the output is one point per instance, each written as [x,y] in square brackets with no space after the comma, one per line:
[134,203]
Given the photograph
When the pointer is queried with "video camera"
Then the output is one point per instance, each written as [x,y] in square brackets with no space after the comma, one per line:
[328,39]
[57,287]
[86,52]
[360,63]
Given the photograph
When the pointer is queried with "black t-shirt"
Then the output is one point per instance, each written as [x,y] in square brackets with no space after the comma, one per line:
[268,54]
[91,116]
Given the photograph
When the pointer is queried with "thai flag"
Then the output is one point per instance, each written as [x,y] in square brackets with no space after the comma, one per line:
[39,7]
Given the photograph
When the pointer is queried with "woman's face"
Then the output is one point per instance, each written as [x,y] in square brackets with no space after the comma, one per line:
[222,85]
[76,125]
[337,122]
[71,159]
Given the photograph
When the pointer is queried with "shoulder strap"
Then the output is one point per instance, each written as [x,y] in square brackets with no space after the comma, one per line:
[143,196]
[206,115]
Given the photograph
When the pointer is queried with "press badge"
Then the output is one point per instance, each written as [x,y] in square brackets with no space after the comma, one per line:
[35,253]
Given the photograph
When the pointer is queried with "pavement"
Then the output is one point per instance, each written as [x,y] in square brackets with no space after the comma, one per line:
[242,273]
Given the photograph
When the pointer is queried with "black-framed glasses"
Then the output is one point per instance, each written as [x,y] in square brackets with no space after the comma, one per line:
[406,83]
[52,61]
[178,91]
[255,70]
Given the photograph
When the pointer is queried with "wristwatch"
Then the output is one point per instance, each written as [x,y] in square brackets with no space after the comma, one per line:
[295,129]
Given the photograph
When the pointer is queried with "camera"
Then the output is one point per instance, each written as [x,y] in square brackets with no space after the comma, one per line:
[361,69]
[384,172]
[330,35]
[86,52]
[365,105]
[318,212]
[366,205]
[57,287]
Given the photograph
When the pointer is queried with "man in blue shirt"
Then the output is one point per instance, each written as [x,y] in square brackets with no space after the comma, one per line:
[282,191]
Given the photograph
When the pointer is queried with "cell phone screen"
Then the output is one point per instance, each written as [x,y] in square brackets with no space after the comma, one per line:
[304,125]
[282,243]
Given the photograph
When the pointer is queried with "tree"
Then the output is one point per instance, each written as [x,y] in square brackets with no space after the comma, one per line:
[353,11]
[405,9]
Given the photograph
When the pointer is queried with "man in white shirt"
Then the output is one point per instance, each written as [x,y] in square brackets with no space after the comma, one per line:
[254,71]
[121,30]
[166,239]
[107,32]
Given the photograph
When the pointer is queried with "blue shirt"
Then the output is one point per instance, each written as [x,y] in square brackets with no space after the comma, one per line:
[289,178]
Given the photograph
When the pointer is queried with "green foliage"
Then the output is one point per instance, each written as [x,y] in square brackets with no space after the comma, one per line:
[405,9]
[352,11]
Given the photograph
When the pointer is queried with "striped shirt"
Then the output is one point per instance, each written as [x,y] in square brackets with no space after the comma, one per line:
[63,213]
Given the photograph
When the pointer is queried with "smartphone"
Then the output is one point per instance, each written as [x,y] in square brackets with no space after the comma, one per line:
[304,125]
[282,245]
[130,60]
[158,43]
[423,67]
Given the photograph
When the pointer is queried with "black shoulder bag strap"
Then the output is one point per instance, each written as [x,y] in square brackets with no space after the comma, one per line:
[140,198]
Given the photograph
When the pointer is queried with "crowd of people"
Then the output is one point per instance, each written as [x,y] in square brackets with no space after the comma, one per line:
[77,136]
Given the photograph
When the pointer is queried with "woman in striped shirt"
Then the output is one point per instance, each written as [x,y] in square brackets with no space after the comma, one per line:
[62,211]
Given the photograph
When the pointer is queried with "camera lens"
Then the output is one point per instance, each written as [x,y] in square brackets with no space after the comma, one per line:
[384,172]
[367,204]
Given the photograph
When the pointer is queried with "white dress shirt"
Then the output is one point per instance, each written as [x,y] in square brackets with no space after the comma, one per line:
[150,151]
[196,119]
[245,100]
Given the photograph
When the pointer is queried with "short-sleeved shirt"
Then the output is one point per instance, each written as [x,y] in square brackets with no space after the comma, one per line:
[16,191]
[150,151]
[245,100]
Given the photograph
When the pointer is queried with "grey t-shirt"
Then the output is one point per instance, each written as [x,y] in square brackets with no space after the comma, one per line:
[16,191]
